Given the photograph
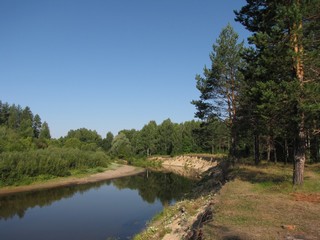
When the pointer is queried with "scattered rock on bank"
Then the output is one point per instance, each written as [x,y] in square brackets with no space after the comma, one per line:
[185,219]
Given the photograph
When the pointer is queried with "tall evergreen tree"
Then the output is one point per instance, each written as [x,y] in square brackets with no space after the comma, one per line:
[276,76]
[36,125]
[45,131]
[14,116]
[219,87]
[4,113]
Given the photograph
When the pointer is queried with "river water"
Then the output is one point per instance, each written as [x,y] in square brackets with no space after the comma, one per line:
[113,209]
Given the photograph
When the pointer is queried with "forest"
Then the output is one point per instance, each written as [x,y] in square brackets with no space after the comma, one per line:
[268,92]
[259,101]
[27,149]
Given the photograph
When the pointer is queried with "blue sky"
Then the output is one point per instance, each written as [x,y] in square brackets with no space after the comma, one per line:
[108,65]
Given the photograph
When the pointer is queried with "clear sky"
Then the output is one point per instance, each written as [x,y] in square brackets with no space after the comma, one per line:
[108,65]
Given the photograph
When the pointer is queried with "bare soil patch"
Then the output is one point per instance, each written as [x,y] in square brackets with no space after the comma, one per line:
[312,197]
[188,165]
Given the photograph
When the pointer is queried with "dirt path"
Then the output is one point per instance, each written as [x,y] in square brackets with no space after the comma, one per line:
[121,171]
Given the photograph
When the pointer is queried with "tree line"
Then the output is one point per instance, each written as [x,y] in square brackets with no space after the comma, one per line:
[28,151]
[168,138]
[21,130]
[269,92]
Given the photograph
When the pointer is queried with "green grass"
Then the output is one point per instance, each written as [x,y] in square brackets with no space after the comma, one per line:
[144,163]
[277,178]
[260,200]
[79,173]
[25,180]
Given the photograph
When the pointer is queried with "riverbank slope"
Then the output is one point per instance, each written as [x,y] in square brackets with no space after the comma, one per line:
[244,202]
[116,171]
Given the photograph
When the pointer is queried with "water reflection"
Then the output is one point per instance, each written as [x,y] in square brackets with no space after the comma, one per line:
[166,187]
[151,186]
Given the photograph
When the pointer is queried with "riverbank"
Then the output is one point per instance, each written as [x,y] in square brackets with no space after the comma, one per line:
[191,166]
[244,202]
[261,203]
[115,171]
[184,220]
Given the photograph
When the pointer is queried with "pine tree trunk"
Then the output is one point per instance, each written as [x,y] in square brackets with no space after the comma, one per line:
[275,153]
[233,144]
[268,148]
[256,149]
[300,156]
[286,153]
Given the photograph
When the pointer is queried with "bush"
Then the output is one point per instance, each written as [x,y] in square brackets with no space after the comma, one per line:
[15,166]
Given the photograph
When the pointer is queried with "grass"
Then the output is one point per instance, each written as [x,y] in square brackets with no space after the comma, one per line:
[261,203]
[144,163]
[257,203]
[157,227]
[78,173]
[183,213]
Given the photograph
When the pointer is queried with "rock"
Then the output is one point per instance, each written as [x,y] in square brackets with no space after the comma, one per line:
[182,209]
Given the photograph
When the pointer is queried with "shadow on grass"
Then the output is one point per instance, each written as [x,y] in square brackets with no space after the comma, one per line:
[223,233]
[212,181]
[258,176]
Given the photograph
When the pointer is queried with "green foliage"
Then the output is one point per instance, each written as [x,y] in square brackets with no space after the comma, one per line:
[278,104]
[121,146]
[85,136]
[106,142]
[36,125]
[221,84]
[45,131]
[15,166]
[143,162]
[73,143]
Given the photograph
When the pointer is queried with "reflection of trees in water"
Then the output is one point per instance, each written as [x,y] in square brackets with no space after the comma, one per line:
[19,203]
[151,186]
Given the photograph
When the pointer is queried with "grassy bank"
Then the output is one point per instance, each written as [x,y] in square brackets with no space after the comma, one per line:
[261,203]
[47,178]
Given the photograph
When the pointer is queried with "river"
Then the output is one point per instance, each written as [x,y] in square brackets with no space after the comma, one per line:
[113,209]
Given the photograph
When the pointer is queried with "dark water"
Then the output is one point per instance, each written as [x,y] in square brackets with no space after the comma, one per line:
[114,209]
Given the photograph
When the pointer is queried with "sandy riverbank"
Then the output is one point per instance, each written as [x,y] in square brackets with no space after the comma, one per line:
[121,171]
[185,165]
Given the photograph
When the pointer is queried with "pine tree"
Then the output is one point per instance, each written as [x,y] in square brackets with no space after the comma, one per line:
[276,76]
[45,131]
[219,87]
[36,126]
